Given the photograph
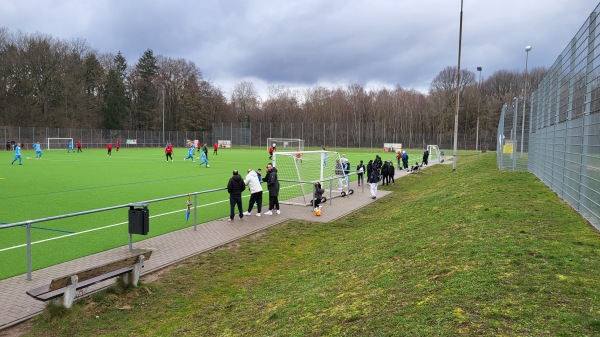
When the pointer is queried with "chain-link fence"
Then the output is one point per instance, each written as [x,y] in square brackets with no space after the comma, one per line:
[98,138]
[563,125]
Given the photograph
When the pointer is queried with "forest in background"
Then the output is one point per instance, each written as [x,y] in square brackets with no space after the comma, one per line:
[49,82]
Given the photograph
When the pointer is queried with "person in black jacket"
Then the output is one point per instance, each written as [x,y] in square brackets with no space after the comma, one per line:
[235,187]
[385,174]
[273,187]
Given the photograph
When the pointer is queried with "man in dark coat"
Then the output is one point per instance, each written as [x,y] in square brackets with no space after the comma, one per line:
[235,187]
[273,187]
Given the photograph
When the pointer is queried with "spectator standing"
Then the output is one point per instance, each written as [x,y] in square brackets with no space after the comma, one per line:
[235,187]
[385,173]
[425,157]
[392,172]
[398,159]
[405,160]
[256,192]
[273,187]
[373,180]
[360,172]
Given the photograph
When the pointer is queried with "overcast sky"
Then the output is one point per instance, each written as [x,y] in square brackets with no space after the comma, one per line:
[306,43]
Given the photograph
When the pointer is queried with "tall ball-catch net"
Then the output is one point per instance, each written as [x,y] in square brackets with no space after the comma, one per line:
[297,171]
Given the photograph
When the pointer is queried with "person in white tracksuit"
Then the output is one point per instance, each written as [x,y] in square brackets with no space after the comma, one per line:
[256,192]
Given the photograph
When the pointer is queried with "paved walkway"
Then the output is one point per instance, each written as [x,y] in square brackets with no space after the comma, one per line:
[16,306]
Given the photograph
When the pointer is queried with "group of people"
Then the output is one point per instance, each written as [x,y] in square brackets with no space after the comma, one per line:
[237,185]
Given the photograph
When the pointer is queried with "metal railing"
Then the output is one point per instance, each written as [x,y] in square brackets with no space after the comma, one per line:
[29,223]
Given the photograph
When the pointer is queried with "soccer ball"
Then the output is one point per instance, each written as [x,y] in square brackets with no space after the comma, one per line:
[207,165]
[318,212]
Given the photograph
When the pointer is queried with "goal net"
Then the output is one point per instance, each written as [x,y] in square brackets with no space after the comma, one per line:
[298,171]
[286,144]
[59,143]
[434,153]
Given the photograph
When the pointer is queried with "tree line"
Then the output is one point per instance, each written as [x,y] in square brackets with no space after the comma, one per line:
[51,82]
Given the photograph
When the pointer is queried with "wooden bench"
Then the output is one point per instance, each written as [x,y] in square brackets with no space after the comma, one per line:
[62,290]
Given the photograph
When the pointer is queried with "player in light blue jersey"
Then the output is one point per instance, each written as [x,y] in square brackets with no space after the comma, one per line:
[204,159]
[70,148]
[38,150]
[18,154]
[190,153]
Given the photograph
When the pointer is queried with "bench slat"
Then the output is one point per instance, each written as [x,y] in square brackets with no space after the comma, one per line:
[91,273]
[44,293]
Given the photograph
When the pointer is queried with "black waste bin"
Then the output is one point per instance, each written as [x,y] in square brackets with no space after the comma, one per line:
[139,219]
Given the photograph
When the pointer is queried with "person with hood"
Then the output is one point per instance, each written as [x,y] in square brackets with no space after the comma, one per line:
[273,187]
[405,160]
[256,192]
[235,187]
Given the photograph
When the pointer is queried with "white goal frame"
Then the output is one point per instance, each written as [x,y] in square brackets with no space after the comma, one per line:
[298,171]
[66,143]
[289,144]
[434,153]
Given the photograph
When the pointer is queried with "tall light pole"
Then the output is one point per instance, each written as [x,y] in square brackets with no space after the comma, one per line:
[527,49]
[163,112]
[479,69]
[457,90]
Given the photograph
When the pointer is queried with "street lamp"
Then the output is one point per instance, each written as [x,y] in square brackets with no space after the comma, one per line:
[527,49]
[457,89]
[479,69]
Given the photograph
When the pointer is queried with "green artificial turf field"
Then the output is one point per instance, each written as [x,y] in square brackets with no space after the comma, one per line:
[62,183]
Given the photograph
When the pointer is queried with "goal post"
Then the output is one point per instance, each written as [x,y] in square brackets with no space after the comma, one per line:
[434,153]
[58,143]
[298,171]
[286,144]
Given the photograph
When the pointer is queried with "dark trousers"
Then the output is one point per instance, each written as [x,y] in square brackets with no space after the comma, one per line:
[273,202]
[235,199]
[386,179]
[255,198]
[361,179]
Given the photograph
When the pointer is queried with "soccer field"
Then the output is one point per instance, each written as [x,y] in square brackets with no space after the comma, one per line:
[62,183]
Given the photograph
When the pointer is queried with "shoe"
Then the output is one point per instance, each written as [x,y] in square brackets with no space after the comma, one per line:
[268,213]
[257,214]
[247,213]
[229,220]
[278,212]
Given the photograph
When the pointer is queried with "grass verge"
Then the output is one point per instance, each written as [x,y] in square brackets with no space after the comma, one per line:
[476,252]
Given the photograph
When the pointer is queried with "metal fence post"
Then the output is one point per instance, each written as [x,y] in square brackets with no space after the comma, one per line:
[28,250]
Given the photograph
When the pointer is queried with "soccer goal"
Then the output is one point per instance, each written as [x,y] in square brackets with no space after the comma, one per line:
[299,170]
[58,143]
[434,153]
[286,144]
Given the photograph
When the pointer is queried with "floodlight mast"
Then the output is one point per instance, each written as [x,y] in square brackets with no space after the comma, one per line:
[527,49]
[457,89]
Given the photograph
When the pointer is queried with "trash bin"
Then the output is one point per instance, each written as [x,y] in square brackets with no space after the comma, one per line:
[139,219]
